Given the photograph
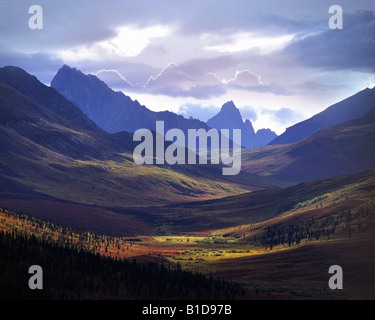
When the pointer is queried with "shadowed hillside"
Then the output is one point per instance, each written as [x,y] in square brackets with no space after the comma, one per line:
[345,148]
[351,108]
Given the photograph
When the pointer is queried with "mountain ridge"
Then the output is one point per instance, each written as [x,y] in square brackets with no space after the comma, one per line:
[30,86]
[344,148]
[114,111]
[348,109]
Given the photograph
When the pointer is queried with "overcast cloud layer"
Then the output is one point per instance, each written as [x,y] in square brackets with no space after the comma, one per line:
[277,60]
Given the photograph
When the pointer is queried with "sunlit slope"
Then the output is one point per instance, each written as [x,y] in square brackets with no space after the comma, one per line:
[281,243]
[110,183]
[253,212]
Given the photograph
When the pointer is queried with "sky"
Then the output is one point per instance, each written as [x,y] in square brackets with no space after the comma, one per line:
[277,60]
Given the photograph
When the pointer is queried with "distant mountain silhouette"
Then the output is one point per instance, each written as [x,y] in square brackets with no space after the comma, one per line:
[114,111]
[351,108]
[230,117]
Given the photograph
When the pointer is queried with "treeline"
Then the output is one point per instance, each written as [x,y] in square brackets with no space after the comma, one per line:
[68,236]
[344,223]
[69,273]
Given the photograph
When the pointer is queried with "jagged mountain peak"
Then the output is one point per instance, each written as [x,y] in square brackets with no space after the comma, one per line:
[230,117]
[229,106]
[248,123]
[72,74]
[66,67]
[112,111]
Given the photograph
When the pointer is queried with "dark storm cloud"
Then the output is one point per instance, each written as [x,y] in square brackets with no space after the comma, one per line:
[65,24]
[353,47]
[197,39]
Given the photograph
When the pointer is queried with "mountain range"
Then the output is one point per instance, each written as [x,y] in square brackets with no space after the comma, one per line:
[115,112]
[49,146]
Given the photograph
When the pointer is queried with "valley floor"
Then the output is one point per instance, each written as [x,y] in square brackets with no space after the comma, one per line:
[287,257]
